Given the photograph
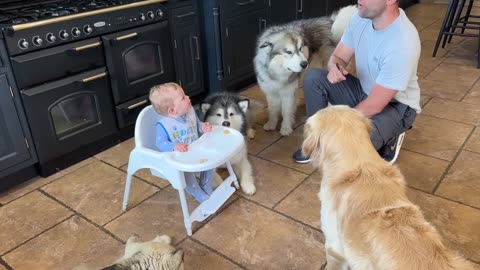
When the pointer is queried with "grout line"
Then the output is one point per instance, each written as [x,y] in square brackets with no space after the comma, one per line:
[284,166]
[454,159]
[469,91]
[451,120]
[292,190]
[35,236]
[445,198]
[217,252]
[84,217]
[210,218]
[5,264]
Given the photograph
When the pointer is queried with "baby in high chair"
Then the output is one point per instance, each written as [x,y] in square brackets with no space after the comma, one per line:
[177,128]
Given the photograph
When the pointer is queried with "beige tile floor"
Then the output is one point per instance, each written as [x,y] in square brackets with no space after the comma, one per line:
[75,216]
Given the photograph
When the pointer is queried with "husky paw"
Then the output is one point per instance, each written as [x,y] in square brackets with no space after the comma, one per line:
[285,131]
[269,126]
[251,133]
[248,188]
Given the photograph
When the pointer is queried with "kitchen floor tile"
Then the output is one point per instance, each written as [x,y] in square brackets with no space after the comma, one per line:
[273,182]
[420,171]
[70,244]
[473,97]
[96,191]
[436,137]
[452,110]
[118,154]
[473,143]
[146,175]
[262,139]
[461,182]
[199,257]
[450,91]
[258,238]
[27,217]
[463,75]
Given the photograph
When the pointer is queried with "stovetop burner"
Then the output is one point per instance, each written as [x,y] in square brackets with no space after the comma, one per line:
[24,13]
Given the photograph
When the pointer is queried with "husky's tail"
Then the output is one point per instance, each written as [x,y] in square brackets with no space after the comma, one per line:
[340,21]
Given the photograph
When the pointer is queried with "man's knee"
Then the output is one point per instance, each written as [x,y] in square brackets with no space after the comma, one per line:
[314,76]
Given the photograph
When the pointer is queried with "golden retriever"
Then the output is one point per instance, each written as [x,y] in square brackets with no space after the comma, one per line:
[367,219]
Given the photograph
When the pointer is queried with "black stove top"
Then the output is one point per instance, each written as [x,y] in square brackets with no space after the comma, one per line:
[31,11]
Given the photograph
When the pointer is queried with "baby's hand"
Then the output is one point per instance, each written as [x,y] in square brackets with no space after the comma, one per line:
[206,127]
[180,147]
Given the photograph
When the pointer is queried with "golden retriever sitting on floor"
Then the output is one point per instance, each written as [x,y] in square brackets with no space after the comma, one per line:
[367,219]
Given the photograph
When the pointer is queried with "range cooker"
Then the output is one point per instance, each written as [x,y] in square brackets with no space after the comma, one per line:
[83,69]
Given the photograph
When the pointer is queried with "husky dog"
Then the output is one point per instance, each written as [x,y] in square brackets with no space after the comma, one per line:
[283,52]
[157,254]
[230,110]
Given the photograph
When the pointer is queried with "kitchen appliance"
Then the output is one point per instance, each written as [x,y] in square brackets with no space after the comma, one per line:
[84,69]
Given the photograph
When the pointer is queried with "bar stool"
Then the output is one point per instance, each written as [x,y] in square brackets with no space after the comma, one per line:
[454,20]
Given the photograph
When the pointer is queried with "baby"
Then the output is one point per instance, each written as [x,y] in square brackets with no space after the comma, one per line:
[177,128]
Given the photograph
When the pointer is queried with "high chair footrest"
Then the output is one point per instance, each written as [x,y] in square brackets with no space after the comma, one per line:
[219,196]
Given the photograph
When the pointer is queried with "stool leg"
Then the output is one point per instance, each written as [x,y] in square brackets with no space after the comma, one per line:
[231,172]
[455,22]
[450,21]
[467,15]
[128,183]
[442,29]
[186,214]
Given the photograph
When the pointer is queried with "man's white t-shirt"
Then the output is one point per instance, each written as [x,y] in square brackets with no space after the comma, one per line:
[388,57]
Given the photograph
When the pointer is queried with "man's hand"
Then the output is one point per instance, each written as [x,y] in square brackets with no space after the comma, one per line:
[337,74]
[180,147]
[206,127]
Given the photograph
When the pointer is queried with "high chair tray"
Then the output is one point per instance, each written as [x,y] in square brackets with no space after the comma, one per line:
[209,151]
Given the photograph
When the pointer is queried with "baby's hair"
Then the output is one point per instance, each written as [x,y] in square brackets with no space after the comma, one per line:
[164,99]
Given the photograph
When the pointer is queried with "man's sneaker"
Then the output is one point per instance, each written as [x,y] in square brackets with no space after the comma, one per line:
[392,148]
[298,157]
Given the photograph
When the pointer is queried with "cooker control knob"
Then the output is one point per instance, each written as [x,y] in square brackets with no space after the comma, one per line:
[51,38]
[76,32]
[63,34]
[87,29]
[159,13]
[23,44]
[142,17]
[37,41]
[150,15]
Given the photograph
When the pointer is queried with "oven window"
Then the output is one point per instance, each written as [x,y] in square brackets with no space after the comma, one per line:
[143,61]
[74,113]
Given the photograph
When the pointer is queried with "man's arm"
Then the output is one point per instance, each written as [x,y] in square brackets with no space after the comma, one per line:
[376,101]
[338,61]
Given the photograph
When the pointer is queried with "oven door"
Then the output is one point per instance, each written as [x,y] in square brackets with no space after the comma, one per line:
[138,59]
[65,115]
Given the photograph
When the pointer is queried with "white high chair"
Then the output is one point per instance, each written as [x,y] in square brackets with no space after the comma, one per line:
[208,152]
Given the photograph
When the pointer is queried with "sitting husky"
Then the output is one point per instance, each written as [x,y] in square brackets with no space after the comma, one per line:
[284,51]
[152,255]
[230,110]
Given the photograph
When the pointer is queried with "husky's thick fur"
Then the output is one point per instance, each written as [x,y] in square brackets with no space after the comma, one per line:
[157,254]
[368,221]
[228,109]
[283,52]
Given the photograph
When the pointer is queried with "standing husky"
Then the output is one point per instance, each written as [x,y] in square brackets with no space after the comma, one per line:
[284,51]
[230,110]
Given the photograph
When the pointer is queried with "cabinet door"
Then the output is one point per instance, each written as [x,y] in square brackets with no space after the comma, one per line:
[240,36]
[187,57]
[315,8]
[13,145]
[282,11]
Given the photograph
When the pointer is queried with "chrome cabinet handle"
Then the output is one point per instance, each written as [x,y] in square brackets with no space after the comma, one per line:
[246,3]
[126,36]
[93,45]
[300,5]
[262,22]
[94,77]
[197,57]
[138,104]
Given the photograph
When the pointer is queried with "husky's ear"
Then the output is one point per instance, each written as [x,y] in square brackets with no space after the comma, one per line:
[266,44]
[163,239]
[244,103]
[205,107]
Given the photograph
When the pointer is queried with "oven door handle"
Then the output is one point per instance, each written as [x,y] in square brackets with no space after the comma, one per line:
[138,104]
[125,36]
[94,77]
[85,47]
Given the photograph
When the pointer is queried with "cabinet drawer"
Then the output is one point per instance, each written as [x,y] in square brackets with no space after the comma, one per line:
[237,7]
[182,14]
[57,62]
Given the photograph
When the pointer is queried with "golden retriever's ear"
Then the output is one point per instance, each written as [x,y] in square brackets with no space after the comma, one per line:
[311,142]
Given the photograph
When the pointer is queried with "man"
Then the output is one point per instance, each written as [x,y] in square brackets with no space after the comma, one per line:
[386,47]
